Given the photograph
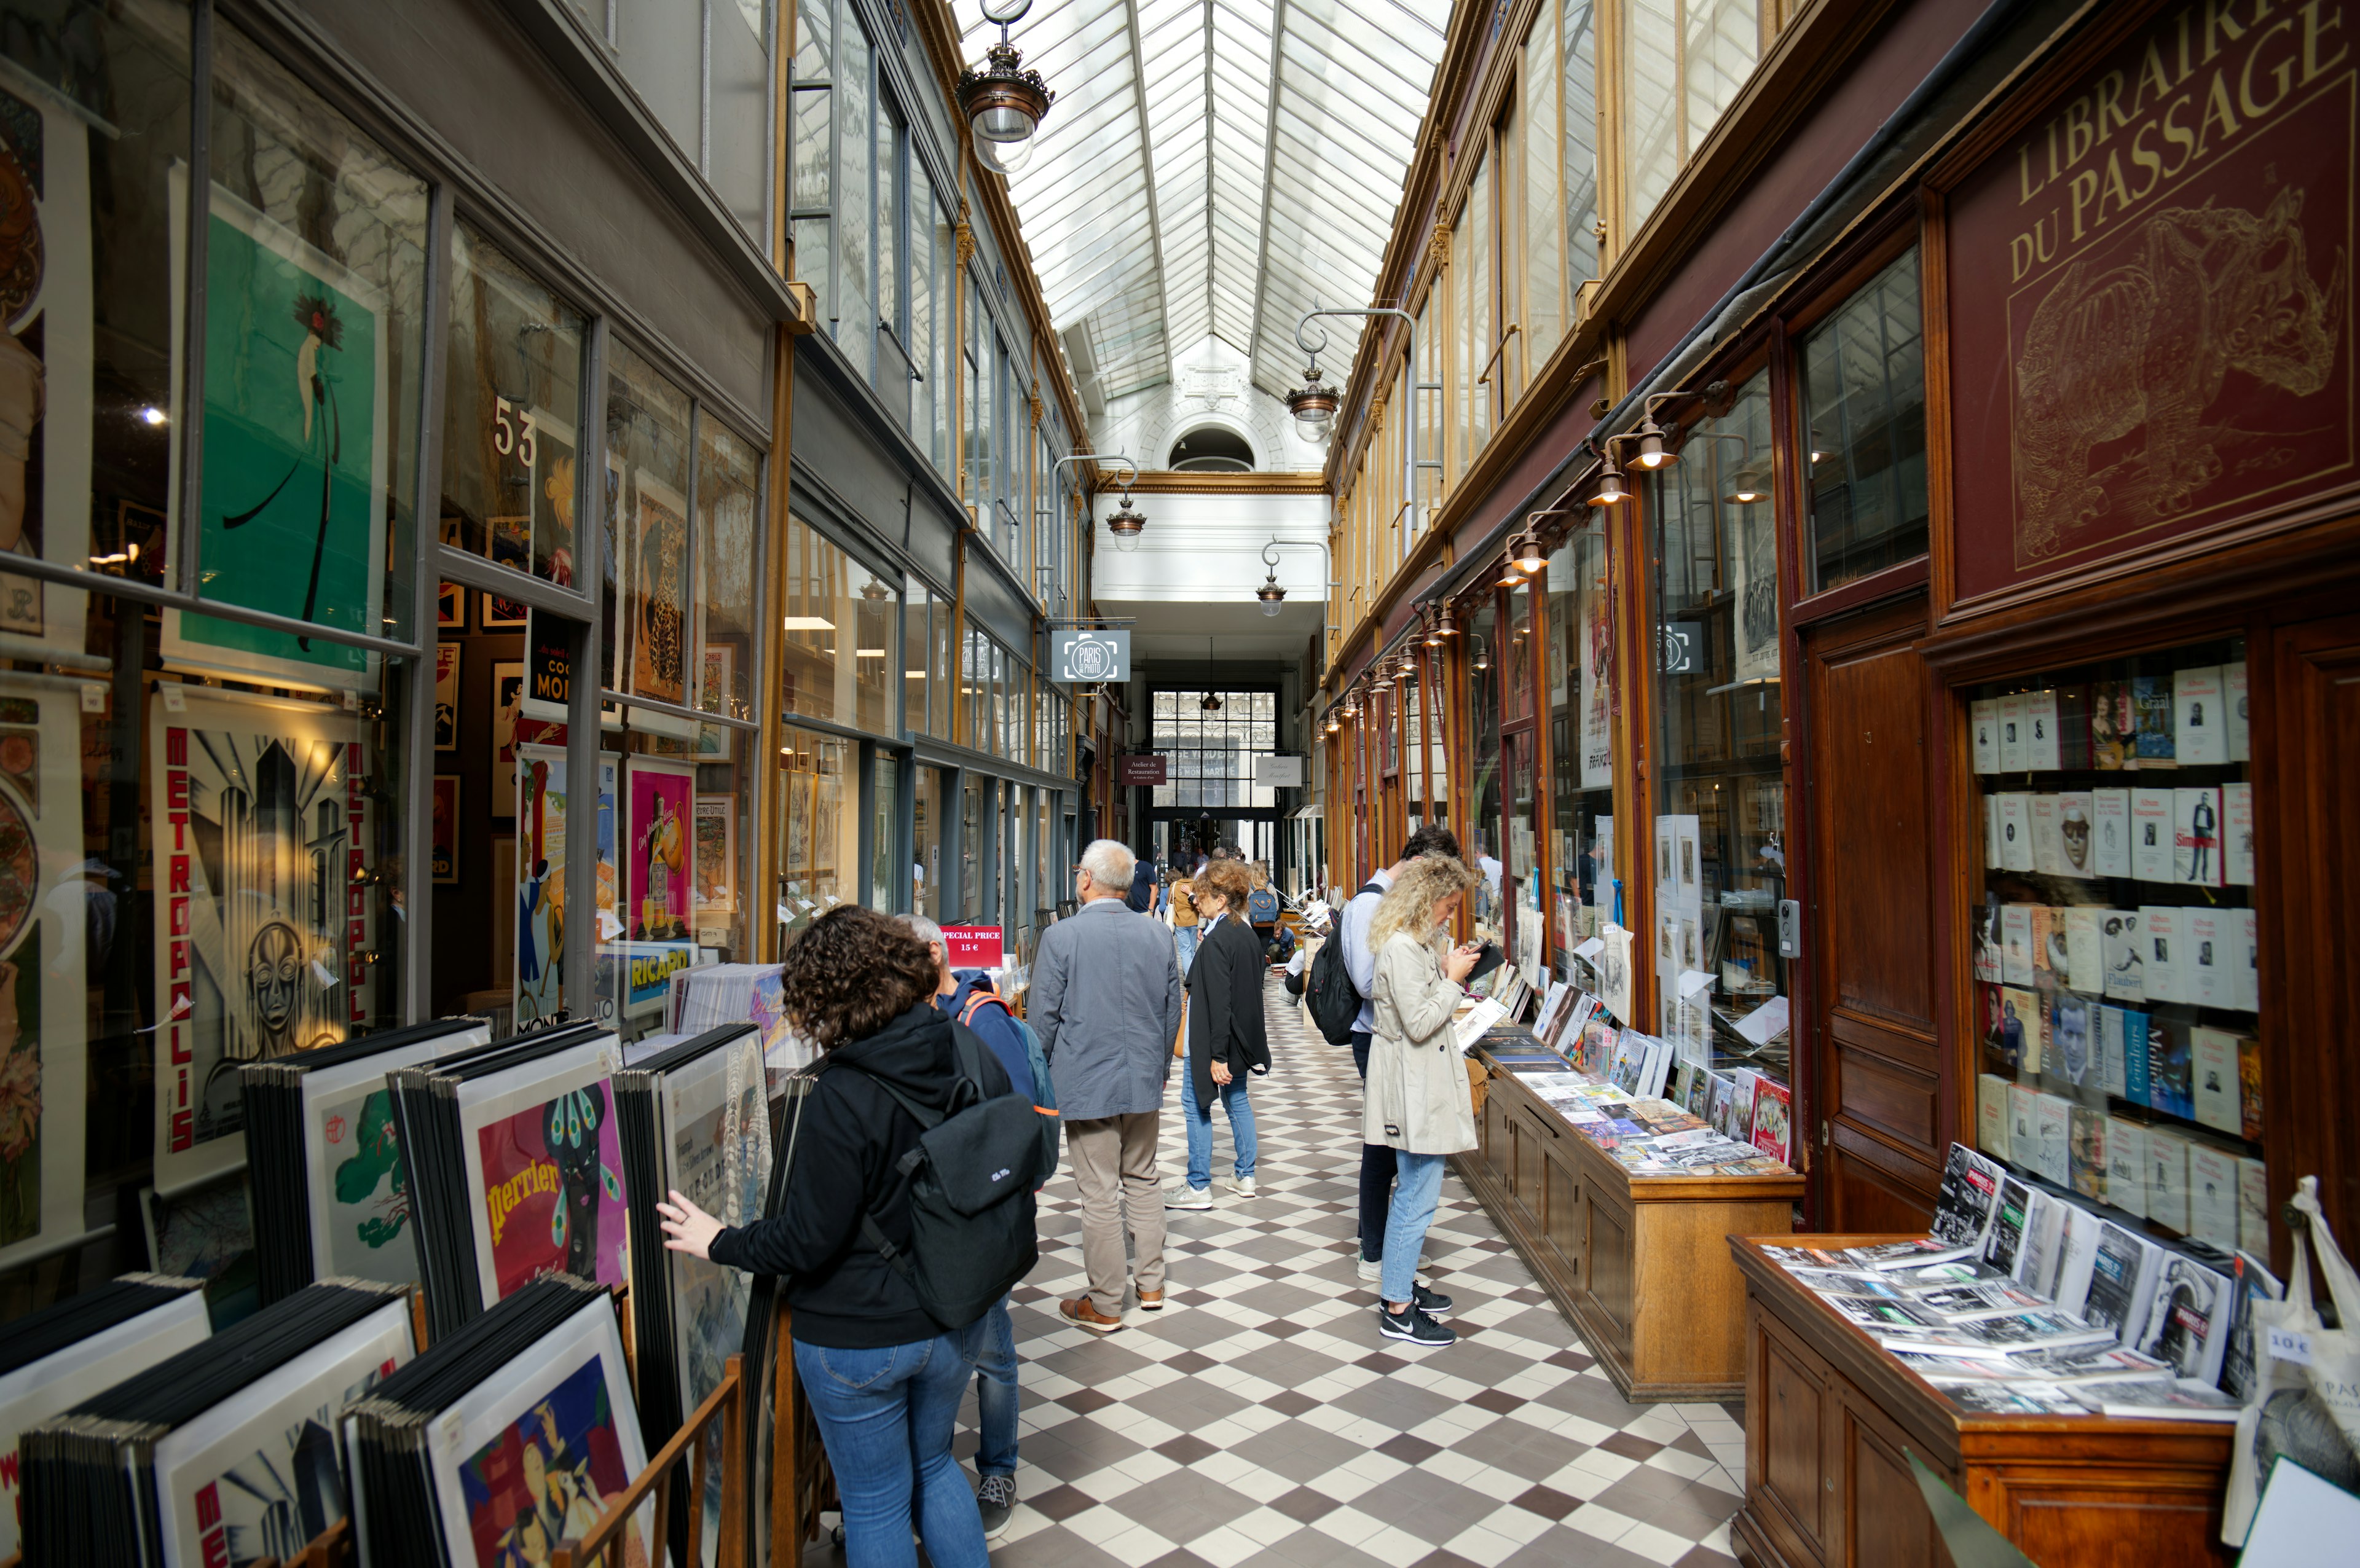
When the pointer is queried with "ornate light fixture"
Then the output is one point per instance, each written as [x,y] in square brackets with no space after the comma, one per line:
[1312,404]
[1609,487]
[873,590]
[1002,102]
[1271,594]
[1125,524]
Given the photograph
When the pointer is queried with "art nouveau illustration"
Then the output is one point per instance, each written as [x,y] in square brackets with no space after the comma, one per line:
[540,894]
[51,900]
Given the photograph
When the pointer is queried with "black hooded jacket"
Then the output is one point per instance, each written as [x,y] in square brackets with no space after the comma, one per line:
[852,1135]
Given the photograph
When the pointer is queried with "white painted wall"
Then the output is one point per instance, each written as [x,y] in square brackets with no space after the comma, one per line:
[1211,385]
[1209,548]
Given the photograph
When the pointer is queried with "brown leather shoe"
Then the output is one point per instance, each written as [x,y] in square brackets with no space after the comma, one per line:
[1150,1301]
[1082,1313]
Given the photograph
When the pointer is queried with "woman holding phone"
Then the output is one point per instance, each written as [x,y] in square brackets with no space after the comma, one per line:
[1418,1098]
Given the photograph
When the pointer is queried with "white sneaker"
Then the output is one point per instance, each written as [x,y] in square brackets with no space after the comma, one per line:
[1243,1187]
[1184,1196]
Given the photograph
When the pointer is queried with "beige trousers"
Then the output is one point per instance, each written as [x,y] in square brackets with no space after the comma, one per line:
[1114,1166]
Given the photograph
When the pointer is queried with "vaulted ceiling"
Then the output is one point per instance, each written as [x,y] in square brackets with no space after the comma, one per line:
[1216,168]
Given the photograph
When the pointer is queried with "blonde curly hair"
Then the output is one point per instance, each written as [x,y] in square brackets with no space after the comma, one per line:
[1409,903]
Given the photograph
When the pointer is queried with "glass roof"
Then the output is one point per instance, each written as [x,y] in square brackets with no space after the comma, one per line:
[1217,168]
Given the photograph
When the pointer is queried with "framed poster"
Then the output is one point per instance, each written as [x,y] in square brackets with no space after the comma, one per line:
[536,908]
[555,482]
[447,827]
[507,706]
[544,1172]
[656,598]
[1597,692]
[259,821]
[716,693]
[716,854]
[46,368]
[50,899]
[662,796]
[446,695]
[1753,541]
[503,615]
[451,607]
[206,1232]
[295,450]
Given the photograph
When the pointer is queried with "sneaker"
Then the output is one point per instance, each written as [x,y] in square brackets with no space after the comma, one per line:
[1243,1187]
[1433,1302]
[1373,1268]
[996,1501]
[1414,1327]
[1150,1301]
[1184,1196]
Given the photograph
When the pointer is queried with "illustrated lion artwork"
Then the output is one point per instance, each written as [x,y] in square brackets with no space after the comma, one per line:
[2146,346]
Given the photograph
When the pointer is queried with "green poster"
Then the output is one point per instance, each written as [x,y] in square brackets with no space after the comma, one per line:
[294,453]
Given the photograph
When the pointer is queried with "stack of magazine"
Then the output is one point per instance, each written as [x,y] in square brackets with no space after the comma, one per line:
[2024,1303]
[715,994]
[1647,1137]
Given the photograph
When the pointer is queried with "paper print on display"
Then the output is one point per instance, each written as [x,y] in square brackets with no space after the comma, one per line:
[2200,726]
[2041,749]
[657,597]
[717,855]
[295,450]
[261,829]
[545,1471]
[1754,539]
[207,1233]
[2196,857]
[451,607]
[507,707]
[50,897]
[540,893]
[1596,670]
[718,694]
[446,695]
[46,368]
[502,615]
[1983,734]
[553,1197]
[260,1475]
[554,483]
[444,847]
[2151,834]
[2110,833]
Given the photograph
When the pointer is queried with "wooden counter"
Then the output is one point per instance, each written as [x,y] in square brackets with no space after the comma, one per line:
[1639,1264]
[1828,1416]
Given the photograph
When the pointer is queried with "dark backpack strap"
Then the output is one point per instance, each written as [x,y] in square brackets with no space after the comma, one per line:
[965,1044]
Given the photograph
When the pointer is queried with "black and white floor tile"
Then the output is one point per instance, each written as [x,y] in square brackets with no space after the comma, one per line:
[1260,1419]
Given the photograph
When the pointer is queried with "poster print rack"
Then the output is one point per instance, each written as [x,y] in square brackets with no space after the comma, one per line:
[515,1167]
[262,924]
[2149,280]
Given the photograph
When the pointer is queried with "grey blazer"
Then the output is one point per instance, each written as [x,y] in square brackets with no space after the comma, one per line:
[1106,1003]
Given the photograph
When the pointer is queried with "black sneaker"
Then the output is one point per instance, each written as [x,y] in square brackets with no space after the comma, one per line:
[1414,1327]
[1433,1302]
[995,1499]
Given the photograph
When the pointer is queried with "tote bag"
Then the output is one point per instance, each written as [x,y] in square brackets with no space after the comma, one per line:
[2309,1411]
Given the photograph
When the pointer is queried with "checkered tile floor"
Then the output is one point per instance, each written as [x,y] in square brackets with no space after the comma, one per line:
[1260,1418]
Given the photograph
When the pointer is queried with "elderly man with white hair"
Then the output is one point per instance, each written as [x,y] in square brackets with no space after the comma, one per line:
[1106,1003]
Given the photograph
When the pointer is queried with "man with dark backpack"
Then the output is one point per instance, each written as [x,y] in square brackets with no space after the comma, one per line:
[1354,955]
[975,1004]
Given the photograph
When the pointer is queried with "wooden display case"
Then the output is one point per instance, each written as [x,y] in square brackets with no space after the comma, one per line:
[1831,1418]
[1639,1264]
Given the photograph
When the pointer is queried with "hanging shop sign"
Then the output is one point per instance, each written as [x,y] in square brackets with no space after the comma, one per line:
[1141,772]
[2150,299]
[1275,771]
[1088,657]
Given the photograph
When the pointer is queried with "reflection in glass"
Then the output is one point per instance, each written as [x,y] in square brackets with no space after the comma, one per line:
[838,624]
[645,620]
[1579,666]
[1864,411]
[819,841]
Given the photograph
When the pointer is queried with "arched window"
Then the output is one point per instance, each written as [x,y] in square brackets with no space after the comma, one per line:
[1211,449]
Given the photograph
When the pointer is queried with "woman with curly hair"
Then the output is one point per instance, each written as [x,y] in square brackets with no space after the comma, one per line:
[883,1377]
[1418,1099]
[1227,1041]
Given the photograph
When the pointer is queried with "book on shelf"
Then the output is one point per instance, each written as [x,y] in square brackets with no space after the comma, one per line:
[2086,1150]
[2213,1056]
[2167,1178]
[2151,695]
[2053,1117]
[1994,858]
[2023,1125]
[2015,830]
[2125,954]
[2085,949]
[2164,979]
[2237,834]
[2072,1045]
[1982,725]
[2252,1206]
[2150,833]
[2212,979]
[2022,1025]
[2233,712]
[2196,837]
[2126,1165]
[2245,933]
[2015,944]
[2048,835]
[2048,948]
[2074,810]
[2177,1399]
[2041,752]
[2110,831]
[2122,1277]
[2015,735]
[2213,1195]
[2113,726]
[1990,1114]
[2200,728]
[2249,1088]
[2170,1067]
[1970,1192]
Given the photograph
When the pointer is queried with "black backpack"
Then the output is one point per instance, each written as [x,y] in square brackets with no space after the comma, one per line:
[1333,1000]
[973,1173]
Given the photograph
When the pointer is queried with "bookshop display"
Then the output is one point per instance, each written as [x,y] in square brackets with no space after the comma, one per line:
[2116,946]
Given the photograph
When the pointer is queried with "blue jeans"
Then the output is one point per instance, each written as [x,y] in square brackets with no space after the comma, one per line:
[1233,1099]
[1417,1186]
[995,1394]
[1183,941]
[887,1416]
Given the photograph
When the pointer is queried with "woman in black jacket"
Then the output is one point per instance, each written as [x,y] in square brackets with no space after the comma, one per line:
[1226,1039]
[884,1378]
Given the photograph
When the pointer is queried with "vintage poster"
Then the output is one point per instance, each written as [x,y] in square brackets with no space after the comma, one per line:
[508,706]
[1754,572]
[540,879]
[541,1449]
[451,607]
[1597,679]
[554,484]
[260,1475]
[717,855]
[2150,300]
[259,829]
[656,599]
[295,453]
[52,900]
[553,1199]
[446,695]
[46,368]
[445,845]
[718,694]
[501,614]
[662,796]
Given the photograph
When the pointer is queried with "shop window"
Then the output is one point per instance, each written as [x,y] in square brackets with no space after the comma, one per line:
[941,636]
[812,154]
[1863,374]
[512,396]
[839,627]
[884,815]
[1212,749]
[1683,63]
[926,863]
[1579,674]
[1720,844]
[2115,945]
[915,615]
[646,629]
[817,798]
[1485,842]
[728,558]
[1578,38]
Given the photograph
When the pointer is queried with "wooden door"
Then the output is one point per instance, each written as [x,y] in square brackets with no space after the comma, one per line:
[1871,783]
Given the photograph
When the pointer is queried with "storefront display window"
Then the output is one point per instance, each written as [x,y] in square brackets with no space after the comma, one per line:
[971,827]
[2116,947]
[1863,379]
[819,819]
[729,557]
[1484,843]
[916,608]
[926,836]
[839,627]
[645,610]
[942,634]
[511,414]
[884,854]
[1719,853]
[1578,666]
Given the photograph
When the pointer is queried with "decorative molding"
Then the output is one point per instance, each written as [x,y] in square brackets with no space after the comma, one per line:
[1176,481]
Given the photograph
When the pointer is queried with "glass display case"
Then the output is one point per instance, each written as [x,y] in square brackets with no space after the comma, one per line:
[2115,947]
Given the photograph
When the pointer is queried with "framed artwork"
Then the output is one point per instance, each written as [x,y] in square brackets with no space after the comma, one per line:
[545,1176]
[447,827]
[553,485]
[447,696]
[534,914]
[662,796]
[716,854]
[656,598]
[451,607]
[295,451]
[507,704]
[717,742]
[503,615]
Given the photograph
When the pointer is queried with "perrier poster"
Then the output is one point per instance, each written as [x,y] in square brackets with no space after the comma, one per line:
[294,445]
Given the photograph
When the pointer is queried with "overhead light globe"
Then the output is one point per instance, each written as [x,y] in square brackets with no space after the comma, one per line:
[1509,577]
[1126,525]
[1528,553]
[1312,404]
[1210,702]
[1271,594]
[1002,102]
